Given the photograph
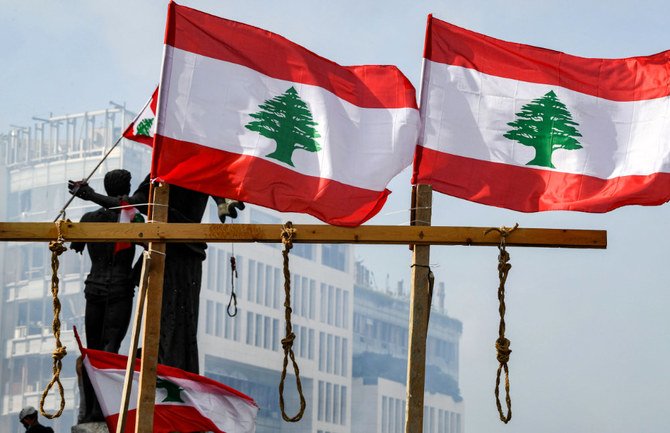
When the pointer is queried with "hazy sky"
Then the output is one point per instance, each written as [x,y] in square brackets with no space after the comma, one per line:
[590,330]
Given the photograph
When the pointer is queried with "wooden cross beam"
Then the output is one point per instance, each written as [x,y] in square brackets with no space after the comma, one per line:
[313,234]
[419,236]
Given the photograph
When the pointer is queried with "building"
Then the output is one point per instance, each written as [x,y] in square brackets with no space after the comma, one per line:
[35,164]
[343,335]
[381,320]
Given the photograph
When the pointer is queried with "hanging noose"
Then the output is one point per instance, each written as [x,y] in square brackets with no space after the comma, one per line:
[287,234]
[57,248]
[502,344]
[233,296]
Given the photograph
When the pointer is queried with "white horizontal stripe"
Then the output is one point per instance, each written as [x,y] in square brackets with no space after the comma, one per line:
[209,101]
[466,113]
[108,384]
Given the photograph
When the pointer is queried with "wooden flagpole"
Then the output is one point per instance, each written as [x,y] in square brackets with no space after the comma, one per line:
[419,313]
[144,420]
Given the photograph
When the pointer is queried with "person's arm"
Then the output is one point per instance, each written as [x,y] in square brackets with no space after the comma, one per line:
[84,191]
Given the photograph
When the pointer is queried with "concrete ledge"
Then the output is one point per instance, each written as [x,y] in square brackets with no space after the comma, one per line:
[90,427]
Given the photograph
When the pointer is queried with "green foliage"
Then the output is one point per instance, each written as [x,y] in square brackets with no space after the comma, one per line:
[545,124]
[287,120]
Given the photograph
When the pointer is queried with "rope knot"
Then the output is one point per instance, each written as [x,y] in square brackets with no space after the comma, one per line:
[502,347]
[287,233]
[59,353]
[287,342]
[57,247]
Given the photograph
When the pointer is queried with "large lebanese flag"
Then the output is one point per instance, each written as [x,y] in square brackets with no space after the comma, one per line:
[185,402]
[531,129]
[249,115]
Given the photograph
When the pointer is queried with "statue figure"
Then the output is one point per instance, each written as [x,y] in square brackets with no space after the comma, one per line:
[108,288]
[183,266]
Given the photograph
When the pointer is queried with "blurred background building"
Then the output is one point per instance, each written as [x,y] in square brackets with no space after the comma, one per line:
[351,336]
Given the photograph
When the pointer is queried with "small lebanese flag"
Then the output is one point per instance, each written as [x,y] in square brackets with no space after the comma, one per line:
[531,129]
[249,115]
[128,214]
[143,128]
[185,402]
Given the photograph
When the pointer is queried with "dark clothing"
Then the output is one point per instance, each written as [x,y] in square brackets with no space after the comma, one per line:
[109,290]
[179,316]
[110,276]
[39,428]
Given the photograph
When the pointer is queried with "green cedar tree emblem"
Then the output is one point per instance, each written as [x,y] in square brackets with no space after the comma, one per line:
[173,390]
[144,127]
[545,124]
[287,120]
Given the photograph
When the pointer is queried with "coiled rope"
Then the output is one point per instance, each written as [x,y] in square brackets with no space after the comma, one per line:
[57,248]
[287,234]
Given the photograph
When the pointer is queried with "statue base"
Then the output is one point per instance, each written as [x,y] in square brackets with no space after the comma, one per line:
[91,427]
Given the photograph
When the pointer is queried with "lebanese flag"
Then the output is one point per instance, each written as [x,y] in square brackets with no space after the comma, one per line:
[249,115]
[531,129]
[143,128]
[185,402]
[127,214]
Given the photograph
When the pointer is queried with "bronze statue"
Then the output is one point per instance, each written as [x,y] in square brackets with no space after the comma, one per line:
[108,288]
[183,267]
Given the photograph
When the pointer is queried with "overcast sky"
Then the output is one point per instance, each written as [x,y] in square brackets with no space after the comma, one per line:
[590,329]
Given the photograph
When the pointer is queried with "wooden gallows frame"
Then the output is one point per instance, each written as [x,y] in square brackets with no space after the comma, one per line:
[421,235]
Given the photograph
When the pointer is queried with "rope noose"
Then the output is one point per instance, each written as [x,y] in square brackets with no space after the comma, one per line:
[287,234]
[233,296]
[57,248]
[502,343]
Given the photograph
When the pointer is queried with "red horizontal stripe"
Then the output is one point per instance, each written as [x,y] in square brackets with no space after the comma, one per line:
[106,360]
[371,86]
[531,190]
[627,79]
[255,180]
[169,418]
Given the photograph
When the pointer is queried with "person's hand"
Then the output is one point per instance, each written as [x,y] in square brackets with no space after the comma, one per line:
[80,189]
[229,208]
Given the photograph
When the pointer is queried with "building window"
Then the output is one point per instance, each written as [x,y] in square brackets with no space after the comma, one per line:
[252,280]
[334,256]
[250,328]
[304,250]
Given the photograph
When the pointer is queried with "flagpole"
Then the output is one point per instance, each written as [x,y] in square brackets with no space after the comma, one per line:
[61,213]
[132,355]
[151,320]
[420,300]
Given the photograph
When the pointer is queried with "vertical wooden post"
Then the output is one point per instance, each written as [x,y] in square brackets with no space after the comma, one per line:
[144,422]
[418,314]
[132,351]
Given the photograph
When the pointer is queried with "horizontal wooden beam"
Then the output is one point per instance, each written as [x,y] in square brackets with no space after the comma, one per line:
[322,234]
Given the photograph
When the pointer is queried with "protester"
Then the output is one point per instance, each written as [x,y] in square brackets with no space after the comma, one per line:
[28,417]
